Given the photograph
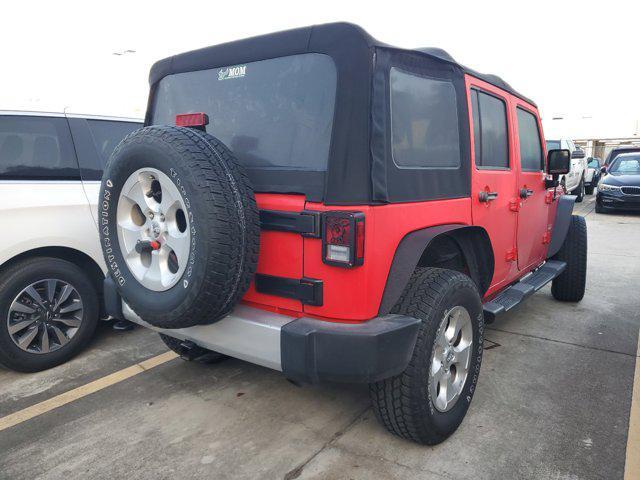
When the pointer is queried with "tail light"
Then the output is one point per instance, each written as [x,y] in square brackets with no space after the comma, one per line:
[196,120]
[343,238]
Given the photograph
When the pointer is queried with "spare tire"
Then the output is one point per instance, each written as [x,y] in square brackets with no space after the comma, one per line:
[179,226]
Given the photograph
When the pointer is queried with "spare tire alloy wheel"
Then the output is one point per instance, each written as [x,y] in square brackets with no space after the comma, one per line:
[45,316]
[179,226]
[153,229]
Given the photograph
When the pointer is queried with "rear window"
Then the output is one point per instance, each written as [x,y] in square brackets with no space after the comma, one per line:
[273,114]
[424,121]
[36,148]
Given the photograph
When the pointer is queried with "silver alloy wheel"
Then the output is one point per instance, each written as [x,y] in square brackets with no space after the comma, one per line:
[151,209]
[450,358]
[45,316]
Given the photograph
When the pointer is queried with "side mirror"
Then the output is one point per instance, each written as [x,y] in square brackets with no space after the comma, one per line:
[603,169]
[558,162]
[578,154]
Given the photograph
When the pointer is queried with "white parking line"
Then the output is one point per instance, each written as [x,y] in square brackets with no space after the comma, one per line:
[632,463]
[82,391]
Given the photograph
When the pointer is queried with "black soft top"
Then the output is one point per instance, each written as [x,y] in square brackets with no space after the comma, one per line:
[360,168]
[299,40]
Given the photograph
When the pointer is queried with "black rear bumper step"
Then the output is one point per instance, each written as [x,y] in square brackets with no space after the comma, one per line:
[516,293]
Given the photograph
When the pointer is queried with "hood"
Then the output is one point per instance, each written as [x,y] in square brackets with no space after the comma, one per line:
[621,180]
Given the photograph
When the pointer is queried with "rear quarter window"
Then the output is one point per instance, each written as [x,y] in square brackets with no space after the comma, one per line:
[424,121]
[107,134]
[36,148]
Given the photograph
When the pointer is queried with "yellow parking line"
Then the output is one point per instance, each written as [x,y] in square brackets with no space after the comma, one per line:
[82,391]
[632,463]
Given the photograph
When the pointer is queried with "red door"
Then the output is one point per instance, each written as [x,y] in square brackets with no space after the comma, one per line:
[533,225]
[493,182]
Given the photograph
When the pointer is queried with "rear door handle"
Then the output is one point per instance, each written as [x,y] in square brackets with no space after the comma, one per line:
[485,196]
[525,192]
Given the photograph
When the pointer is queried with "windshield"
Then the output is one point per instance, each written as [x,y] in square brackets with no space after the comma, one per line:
[273,114]
[553,145]
[626,165]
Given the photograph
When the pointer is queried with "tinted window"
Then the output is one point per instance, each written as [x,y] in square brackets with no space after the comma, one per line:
[36,148]
[424,122]
[489,130]
[627,165]
[107,134]
[275,113]
[530,147]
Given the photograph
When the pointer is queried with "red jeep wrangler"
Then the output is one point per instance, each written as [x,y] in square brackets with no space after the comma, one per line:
[340,210]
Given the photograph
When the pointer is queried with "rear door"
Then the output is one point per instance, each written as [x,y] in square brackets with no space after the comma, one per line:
[493,184]
[533,219]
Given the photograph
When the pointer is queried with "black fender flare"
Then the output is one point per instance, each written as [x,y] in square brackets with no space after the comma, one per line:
[561,223]
[410,250]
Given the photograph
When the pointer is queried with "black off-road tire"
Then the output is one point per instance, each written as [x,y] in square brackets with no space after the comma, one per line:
[223,224]
[21,275]
[194,353]
[579,191]
[403,403]
[569,286]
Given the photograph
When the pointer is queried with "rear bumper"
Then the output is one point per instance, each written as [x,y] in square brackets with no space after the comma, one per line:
[304,349]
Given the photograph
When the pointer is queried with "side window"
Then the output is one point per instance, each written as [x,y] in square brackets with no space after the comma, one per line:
[424,122]
[107,134]
[489,131]
[36,148]
[531,159]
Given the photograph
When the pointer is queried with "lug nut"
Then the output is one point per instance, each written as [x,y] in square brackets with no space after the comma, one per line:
[151,215]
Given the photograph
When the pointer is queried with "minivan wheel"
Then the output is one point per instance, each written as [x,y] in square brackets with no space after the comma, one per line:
[569,286]
[48,313]
[427,402]
[180,227]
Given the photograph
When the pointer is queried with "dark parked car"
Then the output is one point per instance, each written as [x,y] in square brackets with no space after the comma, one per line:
[620,186]
[620,150]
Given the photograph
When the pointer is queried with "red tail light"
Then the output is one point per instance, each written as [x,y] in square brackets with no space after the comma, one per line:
[343,238]
[192,120]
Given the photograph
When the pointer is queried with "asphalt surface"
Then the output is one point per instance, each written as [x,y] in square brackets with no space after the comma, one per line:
[553,401]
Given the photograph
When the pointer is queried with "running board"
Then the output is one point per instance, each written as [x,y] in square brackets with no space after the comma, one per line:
[516,293]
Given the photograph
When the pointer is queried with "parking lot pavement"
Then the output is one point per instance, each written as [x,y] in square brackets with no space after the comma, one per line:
[553,401]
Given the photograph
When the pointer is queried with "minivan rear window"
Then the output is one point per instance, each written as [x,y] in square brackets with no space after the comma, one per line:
[273,114]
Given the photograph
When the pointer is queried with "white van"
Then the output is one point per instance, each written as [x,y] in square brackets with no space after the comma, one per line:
[51,265]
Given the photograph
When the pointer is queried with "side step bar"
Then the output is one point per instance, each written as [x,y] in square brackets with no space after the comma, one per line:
[516,293]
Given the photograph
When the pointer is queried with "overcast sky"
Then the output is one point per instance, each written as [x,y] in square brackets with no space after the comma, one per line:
[578,60]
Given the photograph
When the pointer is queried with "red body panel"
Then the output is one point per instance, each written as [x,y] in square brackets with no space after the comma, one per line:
[519,231]
[281,253]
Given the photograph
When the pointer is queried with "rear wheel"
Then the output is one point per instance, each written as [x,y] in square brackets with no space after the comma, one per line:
[427,402]
[48,313]
[190,351]
[569,286]
[589,189]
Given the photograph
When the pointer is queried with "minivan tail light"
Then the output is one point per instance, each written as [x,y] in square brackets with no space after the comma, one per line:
[197,120]
[343,238]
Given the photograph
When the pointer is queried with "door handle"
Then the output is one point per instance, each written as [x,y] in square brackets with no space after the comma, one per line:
[485,196]
[525,192]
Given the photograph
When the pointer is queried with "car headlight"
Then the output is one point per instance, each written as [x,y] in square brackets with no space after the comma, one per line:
[603,187]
